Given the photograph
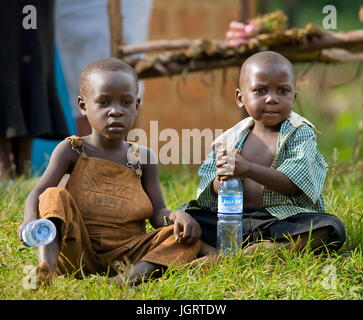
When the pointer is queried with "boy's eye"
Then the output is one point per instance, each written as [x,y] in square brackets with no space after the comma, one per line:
[260,91]
[283,91]
[126,102]
[102,102]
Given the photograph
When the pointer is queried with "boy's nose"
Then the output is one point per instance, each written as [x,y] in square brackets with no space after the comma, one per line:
[272,98]
[115,111]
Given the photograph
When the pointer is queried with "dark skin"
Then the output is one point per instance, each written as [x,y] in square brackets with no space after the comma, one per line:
[267,91]
[110,104]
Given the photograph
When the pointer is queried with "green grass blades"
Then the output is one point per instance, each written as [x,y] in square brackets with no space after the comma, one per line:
[266,274]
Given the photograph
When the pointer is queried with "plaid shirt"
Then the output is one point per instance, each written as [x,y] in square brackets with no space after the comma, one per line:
[296,156]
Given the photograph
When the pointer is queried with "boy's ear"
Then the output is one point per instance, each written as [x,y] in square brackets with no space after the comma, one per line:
[138,102]
[239,98]
[81,105]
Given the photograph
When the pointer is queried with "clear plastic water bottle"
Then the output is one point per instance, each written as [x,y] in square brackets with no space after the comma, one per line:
[38,232]
[230,210]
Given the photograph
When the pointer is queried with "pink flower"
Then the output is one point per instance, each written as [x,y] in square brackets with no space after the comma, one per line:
[250,30]
[231,34]
[237,25]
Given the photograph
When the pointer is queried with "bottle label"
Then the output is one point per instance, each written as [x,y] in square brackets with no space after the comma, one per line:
[230,204]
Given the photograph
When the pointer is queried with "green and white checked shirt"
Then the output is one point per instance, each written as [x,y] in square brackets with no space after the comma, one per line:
[296,156]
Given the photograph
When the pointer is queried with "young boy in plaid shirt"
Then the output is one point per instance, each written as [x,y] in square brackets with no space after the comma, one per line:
[274,153]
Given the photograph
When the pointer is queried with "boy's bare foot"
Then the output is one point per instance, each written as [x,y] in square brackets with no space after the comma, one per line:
[205,262]
[208,257]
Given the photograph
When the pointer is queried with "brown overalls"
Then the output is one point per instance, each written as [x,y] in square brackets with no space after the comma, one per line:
[103,208]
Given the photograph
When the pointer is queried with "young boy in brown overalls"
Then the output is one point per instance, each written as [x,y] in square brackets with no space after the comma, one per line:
[100,214]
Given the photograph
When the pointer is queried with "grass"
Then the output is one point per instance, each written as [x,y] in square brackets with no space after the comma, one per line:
[267,274]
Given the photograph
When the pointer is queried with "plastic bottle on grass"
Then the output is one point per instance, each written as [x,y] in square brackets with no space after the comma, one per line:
[38,232]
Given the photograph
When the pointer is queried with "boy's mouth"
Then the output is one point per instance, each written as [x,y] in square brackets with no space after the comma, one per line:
[115,125]
[270,112]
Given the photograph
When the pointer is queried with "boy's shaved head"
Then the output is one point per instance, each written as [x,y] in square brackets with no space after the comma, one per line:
[266,57]
[104,65]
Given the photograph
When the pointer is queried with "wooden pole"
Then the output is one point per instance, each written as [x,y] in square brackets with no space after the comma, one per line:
[116,29]
[247,10]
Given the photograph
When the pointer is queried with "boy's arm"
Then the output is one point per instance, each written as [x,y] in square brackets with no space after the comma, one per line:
[271,178]
[234,165]
[182,220]
[59,163]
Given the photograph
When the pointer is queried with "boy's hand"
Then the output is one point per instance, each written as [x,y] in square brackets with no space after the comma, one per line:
[186,229]
[231,165]
[23,224]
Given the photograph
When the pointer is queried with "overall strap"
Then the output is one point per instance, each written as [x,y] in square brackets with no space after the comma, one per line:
[133,158]
[77,145]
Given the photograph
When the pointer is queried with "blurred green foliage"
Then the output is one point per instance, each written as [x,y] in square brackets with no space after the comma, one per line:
[303,12]
[331,96]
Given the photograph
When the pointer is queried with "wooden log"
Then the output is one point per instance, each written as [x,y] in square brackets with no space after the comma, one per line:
[299,45]
[327,40]
[172,68]
[160,45]
[342,55]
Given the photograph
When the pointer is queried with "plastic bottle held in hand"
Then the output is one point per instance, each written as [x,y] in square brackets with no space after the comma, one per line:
[230,210]
[38,232]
